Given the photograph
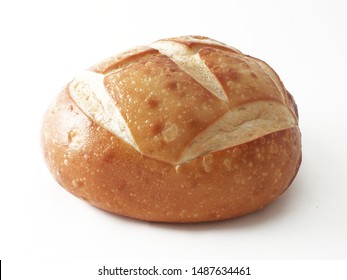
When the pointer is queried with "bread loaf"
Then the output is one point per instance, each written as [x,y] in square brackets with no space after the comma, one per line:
[186,129]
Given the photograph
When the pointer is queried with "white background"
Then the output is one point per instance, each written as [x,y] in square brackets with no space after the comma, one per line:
[44,44]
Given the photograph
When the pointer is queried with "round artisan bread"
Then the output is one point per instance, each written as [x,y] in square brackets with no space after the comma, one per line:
[187,129]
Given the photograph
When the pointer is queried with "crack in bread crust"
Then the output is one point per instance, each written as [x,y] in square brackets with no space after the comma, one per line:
[239,126]
[190,62]
[90,95]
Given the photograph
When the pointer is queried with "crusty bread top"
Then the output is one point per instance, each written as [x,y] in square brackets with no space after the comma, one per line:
[184,97]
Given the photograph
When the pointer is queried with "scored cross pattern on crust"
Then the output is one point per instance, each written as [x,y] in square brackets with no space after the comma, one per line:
[185,97]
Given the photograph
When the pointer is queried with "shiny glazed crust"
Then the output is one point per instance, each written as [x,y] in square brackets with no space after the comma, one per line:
[154,176]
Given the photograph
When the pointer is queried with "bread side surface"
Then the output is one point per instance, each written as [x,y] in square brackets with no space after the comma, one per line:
[95,165]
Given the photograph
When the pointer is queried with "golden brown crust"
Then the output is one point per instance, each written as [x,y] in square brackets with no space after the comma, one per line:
[101,168]
[123,60]
[242,78]
[155,98]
